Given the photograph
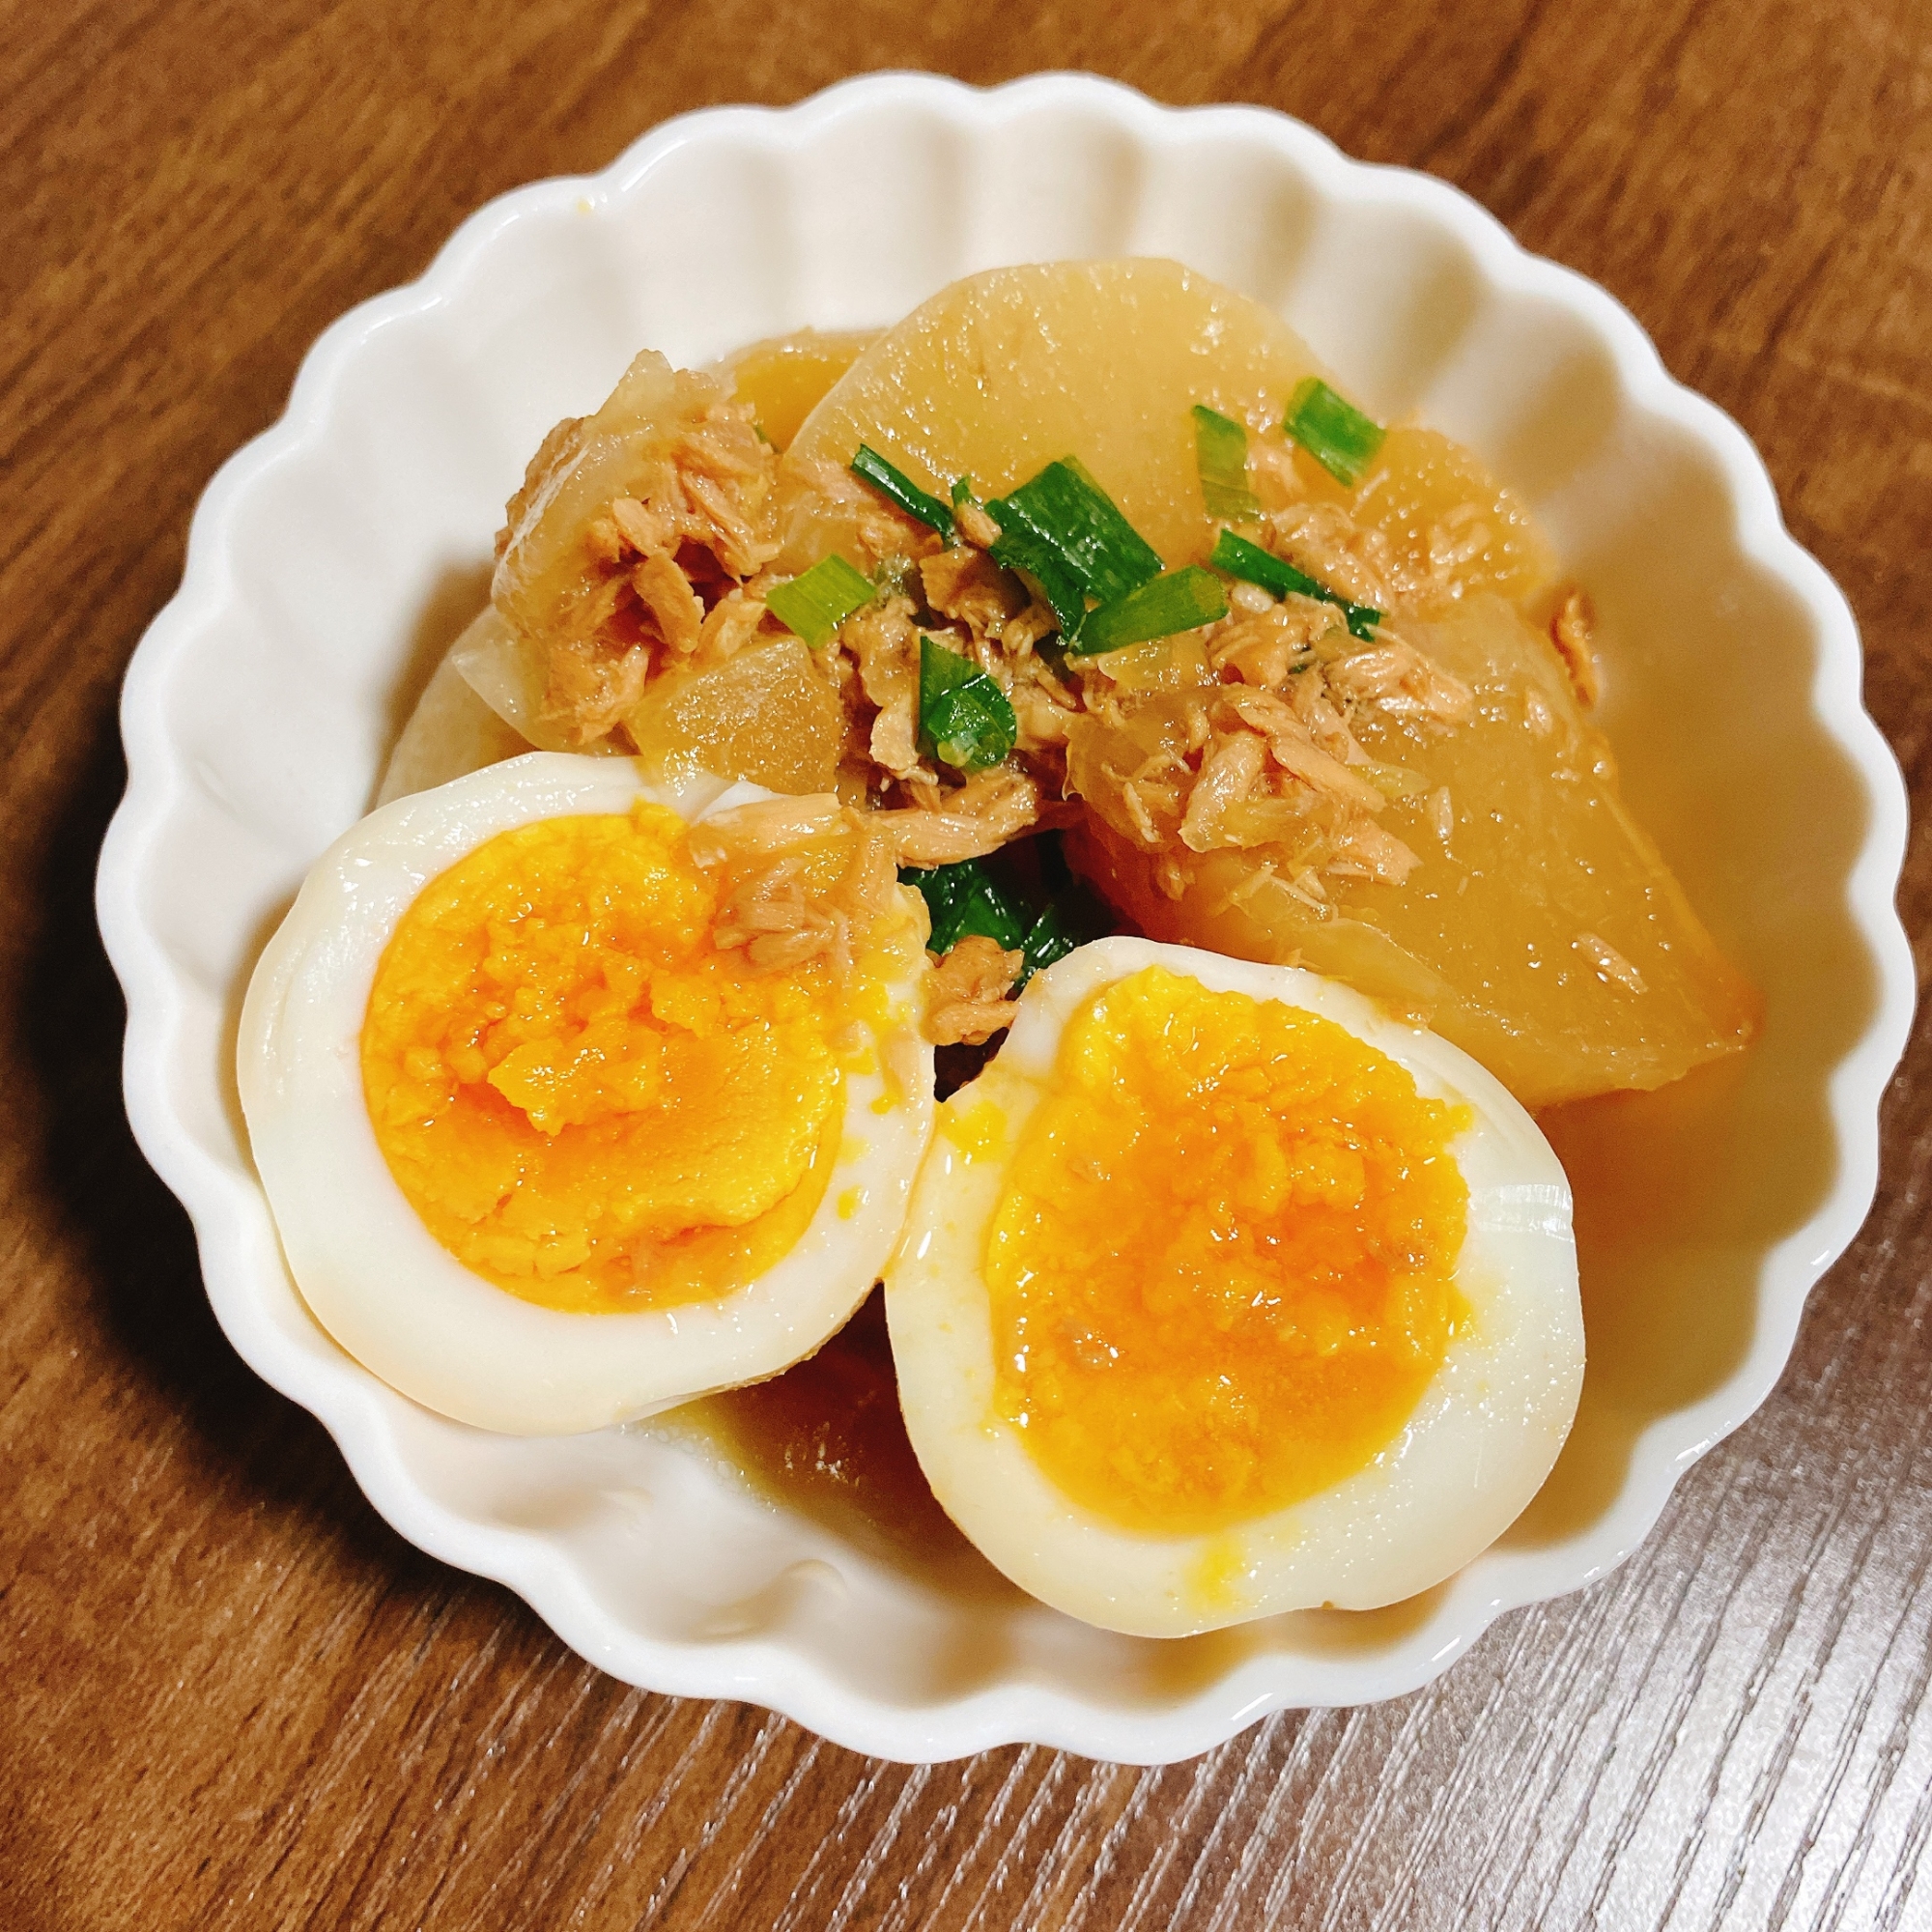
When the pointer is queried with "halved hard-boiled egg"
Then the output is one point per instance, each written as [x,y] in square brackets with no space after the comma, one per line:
[577,1096]
[1225,1294]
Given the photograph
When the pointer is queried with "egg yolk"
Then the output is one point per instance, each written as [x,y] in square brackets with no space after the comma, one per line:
[1220,1272]
[587,1100]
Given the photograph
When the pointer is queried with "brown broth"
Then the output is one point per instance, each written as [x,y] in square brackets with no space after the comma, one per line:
[827,1437]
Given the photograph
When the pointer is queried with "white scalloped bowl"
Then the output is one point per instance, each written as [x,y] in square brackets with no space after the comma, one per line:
[329,554]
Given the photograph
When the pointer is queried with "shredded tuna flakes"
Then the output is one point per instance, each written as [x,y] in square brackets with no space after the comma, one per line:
[1005,801]
[927,838]
[672,568]
[664,591]
[1574,632]
[588,689]
[647,532]
[733,621]
[967,1001]
[883,530]
[766,907]
[894,742]
[1137,810]
[1321,539]
[1043,721]
[1267,647]
[1240,894]
[1405,683]
[1229,774]
[1366,850]
[1323,724]
[885,643]
[976,525]
[1298,752]
[1021,634]
[1457,541]
[968,586]
[780,953]
[770,825]
[1610,965]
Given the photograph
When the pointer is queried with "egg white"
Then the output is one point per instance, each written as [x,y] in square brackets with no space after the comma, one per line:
[375,1278]
[1477,1447]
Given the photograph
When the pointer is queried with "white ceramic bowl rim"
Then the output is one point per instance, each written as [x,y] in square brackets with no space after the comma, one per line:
[186,1127]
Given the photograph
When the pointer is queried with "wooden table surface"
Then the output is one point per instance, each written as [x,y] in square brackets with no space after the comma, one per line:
[235,1698]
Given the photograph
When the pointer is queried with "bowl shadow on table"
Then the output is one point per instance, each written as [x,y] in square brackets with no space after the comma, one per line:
[135,1244]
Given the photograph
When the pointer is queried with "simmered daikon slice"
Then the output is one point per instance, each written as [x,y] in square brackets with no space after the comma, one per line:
[1540,929]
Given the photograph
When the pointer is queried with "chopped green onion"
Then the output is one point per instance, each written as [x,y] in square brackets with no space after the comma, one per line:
[817,601]
[1054,935]
[1021,549]
[1183,600]
[1071,537]
[962,491]
[964,899]
[1065,507]
[961,710]
[1042,918]
[869,466]
[1221,456]
[1238,558]
[1333,431]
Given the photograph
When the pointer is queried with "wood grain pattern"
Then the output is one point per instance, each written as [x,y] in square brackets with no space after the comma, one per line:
[237,1700]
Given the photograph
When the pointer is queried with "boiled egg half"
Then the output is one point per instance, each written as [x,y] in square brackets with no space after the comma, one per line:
[576,1096]
[1223,1293]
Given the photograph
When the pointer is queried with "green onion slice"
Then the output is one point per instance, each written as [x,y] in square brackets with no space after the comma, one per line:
[896,487]
[1054,935]
[962,712]
[1238,558]
[817,601]
[977,895]
[1221,456]
[964,899]
[1183,600]
[1020,548]
[1071,537]
[1333,431]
